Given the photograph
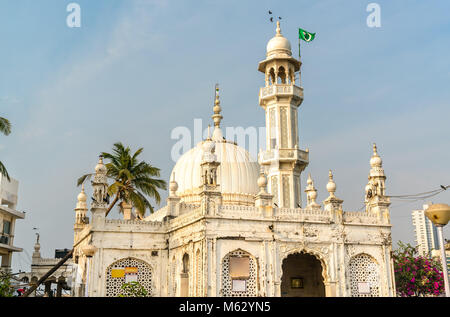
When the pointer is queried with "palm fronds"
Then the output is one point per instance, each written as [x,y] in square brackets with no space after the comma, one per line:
[5,126]
[134,181]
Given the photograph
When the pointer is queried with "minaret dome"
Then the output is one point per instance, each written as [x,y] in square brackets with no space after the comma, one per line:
[279,45]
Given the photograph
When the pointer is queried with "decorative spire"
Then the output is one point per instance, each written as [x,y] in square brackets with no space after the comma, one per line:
[311,193]
[81,199]
[217,117]
[173,186]
[262,181]
[217,109]
[278,29]
[375,161]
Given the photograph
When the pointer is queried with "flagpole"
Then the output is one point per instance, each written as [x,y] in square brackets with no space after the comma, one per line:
[300,59]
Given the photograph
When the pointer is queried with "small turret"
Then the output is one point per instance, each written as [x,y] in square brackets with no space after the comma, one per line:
[311,194]
[375,190]
[37,248]
[81,208]
[99,203]
[332,203]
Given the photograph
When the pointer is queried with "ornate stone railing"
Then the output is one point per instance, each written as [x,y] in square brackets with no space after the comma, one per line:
[300,214]
[235,211]
[359,217]
[156,224]
[280,89]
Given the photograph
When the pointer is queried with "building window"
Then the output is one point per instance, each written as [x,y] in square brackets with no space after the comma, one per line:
[364,276]
[6,227]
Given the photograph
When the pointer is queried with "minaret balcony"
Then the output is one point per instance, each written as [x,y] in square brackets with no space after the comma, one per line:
[280,90]
[286,155]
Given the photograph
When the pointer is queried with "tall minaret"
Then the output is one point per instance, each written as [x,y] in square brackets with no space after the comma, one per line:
[283,161]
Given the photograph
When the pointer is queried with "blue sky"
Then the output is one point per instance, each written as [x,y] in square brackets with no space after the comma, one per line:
[137,69]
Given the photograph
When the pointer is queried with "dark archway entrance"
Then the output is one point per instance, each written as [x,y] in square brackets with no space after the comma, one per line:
[302,276]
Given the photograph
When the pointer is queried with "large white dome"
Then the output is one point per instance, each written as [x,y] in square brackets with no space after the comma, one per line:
[237,174]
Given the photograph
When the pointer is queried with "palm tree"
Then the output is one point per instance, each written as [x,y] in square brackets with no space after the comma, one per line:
[5,128]
[133,180]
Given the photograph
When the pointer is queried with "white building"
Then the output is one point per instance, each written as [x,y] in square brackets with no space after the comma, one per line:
[61,279]
[426,233]
[235,227]
[437,255]
[8,215]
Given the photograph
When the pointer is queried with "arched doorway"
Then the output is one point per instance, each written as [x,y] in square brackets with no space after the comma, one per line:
[302,276]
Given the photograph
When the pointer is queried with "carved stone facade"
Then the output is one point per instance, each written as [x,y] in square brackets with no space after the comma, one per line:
[233,227]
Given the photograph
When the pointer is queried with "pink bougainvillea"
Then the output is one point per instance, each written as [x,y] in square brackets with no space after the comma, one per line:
[416,275]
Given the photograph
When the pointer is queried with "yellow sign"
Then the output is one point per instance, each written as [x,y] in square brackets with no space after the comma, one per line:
[117,273]
[131,270]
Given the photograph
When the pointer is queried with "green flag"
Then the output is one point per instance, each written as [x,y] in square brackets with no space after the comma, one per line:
[305,35]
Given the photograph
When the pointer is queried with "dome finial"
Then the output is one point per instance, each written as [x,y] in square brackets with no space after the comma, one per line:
[309,181]
[217,109]
[217,117]
[278,29]
[173,186]
[331,186]
[375,149]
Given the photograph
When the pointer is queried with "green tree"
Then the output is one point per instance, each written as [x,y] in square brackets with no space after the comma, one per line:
[416,275]
[133,180]
[5,285]
[5,128]
[133,289]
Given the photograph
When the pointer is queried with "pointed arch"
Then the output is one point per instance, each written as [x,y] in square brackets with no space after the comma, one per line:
[364,272]
[317,254]
[242,286]
[272,77]
[116,275]
[282,75]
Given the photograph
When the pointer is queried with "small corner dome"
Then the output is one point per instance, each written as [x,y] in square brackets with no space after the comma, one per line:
[375,160]
[100,168]
[81,196]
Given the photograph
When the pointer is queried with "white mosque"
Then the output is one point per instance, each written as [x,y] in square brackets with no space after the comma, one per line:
[236,227]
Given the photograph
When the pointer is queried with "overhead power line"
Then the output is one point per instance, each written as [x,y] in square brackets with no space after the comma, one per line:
[420,196]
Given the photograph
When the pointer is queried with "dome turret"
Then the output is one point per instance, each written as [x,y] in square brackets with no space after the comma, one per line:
[100,168]
[375,161]
[279,45]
